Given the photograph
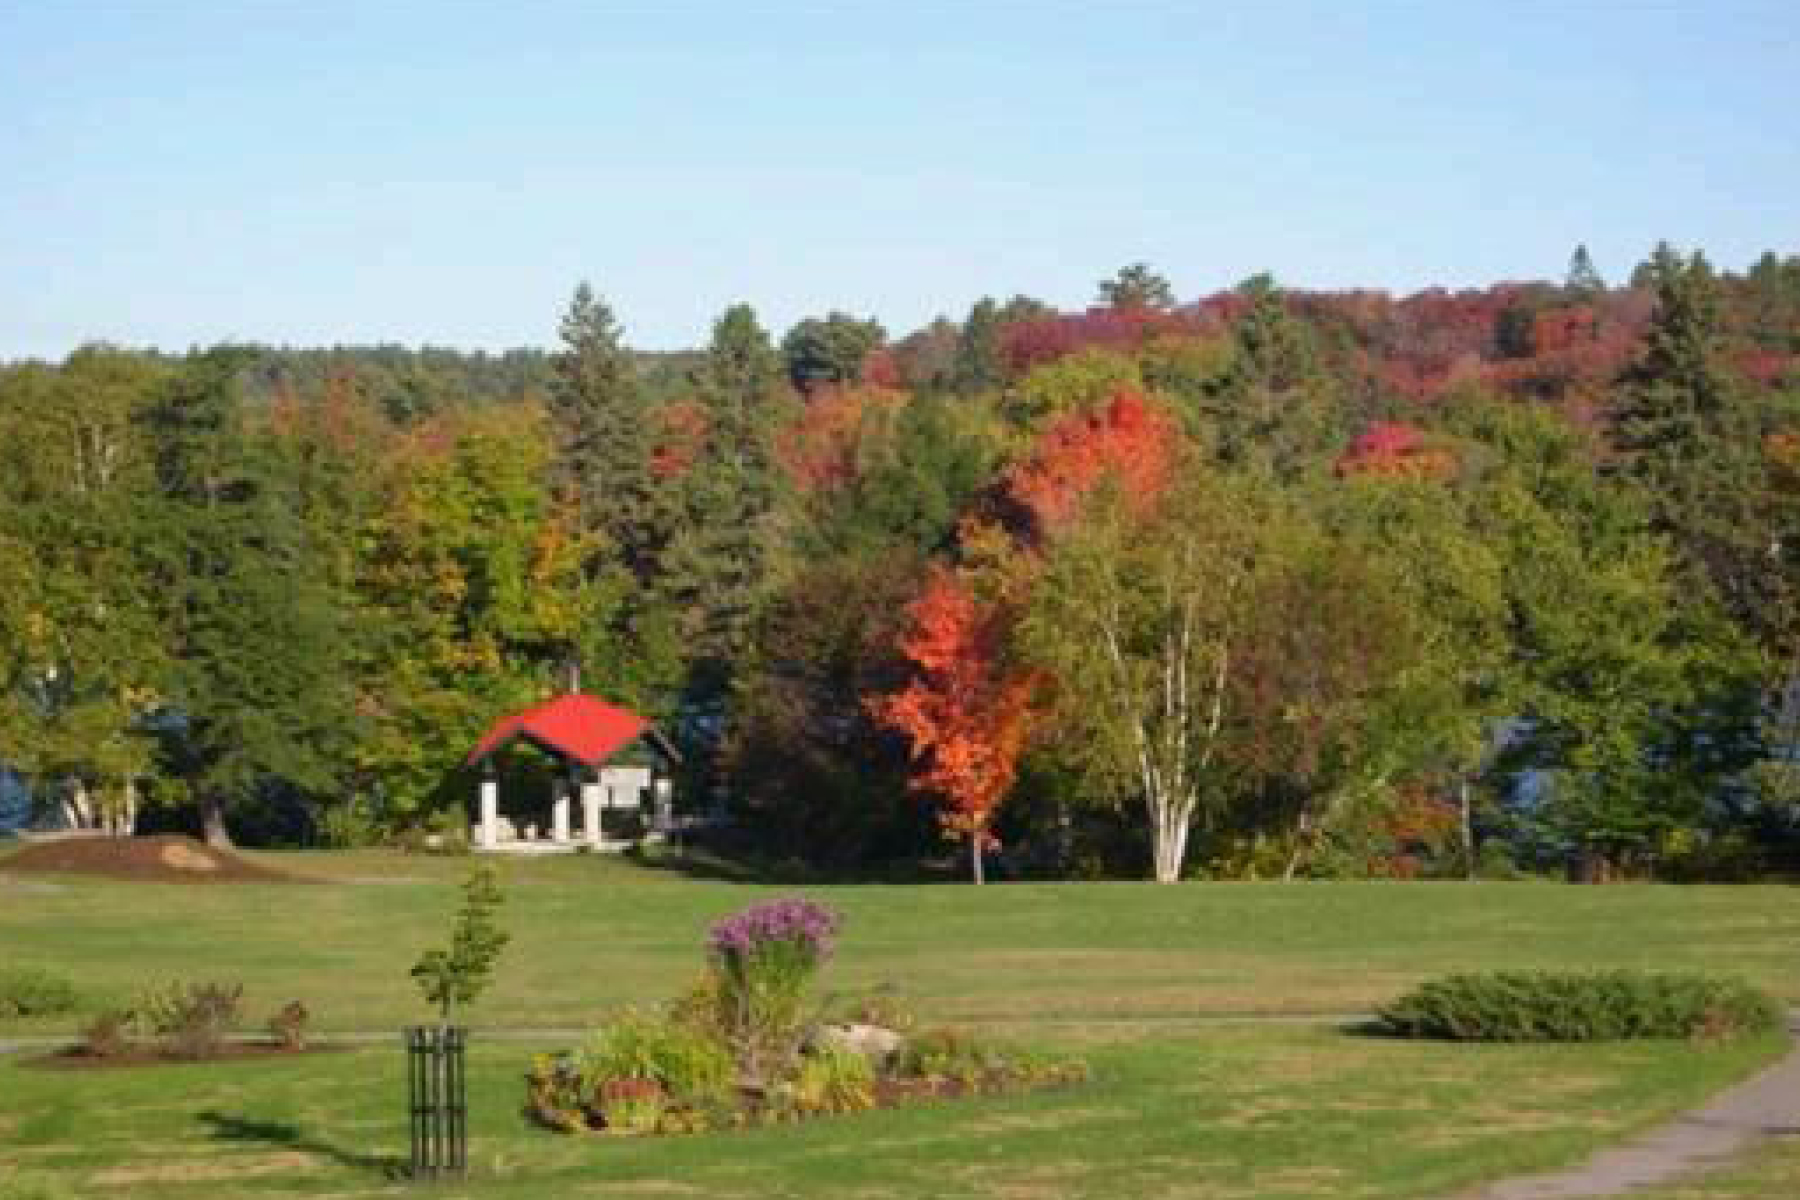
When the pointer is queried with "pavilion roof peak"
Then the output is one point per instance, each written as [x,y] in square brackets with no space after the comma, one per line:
[575,725]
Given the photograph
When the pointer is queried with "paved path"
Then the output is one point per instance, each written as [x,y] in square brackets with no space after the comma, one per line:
[1724,1126]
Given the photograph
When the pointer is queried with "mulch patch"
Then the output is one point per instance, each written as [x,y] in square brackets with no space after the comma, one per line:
[162,858]
[75,1058]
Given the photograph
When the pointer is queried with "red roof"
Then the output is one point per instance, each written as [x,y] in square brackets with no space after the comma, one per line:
[578,726]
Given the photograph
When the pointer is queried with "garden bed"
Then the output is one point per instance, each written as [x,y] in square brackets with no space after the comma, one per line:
[163,858]
[77,1058]
[745,1047]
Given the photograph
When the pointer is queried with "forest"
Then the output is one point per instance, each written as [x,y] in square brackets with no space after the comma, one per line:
[1270,584]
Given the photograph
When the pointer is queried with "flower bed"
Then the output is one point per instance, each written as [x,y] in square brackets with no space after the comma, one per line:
[746,1046]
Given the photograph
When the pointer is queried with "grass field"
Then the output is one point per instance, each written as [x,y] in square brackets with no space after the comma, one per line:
[591,934]
[1122,973]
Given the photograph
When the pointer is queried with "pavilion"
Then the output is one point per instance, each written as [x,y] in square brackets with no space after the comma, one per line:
[582,733]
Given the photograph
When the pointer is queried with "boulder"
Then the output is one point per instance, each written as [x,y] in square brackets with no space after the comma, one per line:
[873,1042]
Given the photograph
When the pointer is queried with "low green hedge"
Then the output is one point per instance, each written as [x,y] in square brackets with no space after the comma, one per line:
[1579,1006]
[30,993]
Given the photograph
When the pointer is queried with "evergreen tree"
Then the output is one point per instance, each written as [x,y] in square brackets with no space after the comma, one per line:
[255,690]
[720,556]
[602,435]
[978,366]
[602,429]
[1689,438]
[1582,282]
[1268,412]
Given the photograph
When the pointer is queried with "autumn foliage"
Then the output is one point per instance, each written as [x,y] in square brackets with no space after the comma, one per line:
[1396,450]
[966,712]
[1128,440]
[822,448]
[1040,340]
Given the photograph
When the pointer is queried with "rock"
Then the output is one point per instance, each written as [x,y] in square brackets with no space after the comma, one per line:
[188,858]
[874,1043]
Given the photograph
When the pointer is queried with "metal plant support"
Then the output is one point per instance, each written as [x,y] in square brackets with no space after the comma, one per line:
[438,1091]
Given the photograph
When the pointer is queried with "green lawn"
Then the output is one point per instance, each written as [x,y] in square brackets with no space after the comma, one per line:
[594,933]
[1175,1111]
[1118,972]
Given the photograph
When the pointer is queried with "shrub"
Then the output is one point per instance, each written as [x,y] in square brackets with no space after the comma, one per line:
[190,1018]
[764,958]
[833,1079]
[350,825]
[683,1062]
[631,1105]
[1578,1006]
[947,1056]
[288,1026]
[108,1035]
[26,992]
[555,1093]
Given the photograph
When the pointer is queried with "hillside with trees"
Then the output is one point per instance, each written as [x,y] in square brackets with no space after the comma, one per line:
[1268,584]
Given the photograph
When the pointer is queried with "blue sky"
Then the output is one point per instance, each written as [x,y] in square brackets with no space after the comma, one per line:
[180,172]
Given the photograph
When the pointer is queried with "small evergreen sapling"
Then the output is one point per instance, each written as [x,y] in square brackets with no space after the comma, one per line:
[461,973]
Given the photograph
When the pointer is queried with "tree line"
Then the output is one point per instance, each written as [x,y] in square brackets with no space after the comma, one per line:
[1268,584]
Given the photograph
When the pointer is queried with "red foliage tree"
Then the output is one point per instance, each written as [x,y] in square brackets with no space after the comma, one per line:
[1129,440]
[1397,450]
[965,711]
[1030,343]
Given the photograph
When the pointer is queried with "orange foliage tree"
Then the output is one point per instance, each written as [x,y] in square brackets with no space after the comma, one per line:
[965,711]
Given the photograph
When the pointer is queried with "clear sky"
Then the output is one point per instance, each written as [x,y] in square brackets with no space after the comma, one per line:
[179,172]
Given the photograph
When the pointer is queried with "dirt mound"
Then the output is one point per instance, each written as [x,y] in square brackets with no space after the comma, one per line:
[164,858]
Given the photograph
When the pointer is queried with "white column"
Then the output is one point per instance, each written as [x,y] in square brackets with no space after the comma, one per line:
[490,814]
[559,811]
[664,791]
[590,813]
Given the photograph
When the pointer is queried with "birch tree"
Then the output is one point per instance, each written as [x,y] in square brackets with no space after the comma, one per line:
[1139,621]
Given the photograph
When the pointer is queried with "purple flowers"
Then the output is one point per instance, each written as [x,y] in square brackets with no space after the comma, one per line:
[790,924]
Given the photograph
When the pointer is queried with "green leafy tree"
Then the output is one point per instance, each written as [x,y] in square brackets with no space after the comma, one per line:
[1419,611]
[1608,661]
[81,656]
[458,975]
[831,349]
[1142,625]
[472,587]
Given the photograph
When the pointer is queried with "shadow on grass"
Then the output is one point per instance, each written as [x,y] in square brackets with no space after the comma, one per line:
[228,1128]
[742,866]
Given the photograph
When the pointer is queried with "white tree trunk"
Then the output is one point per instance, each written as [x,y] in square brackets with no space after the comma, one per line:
[78,805]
